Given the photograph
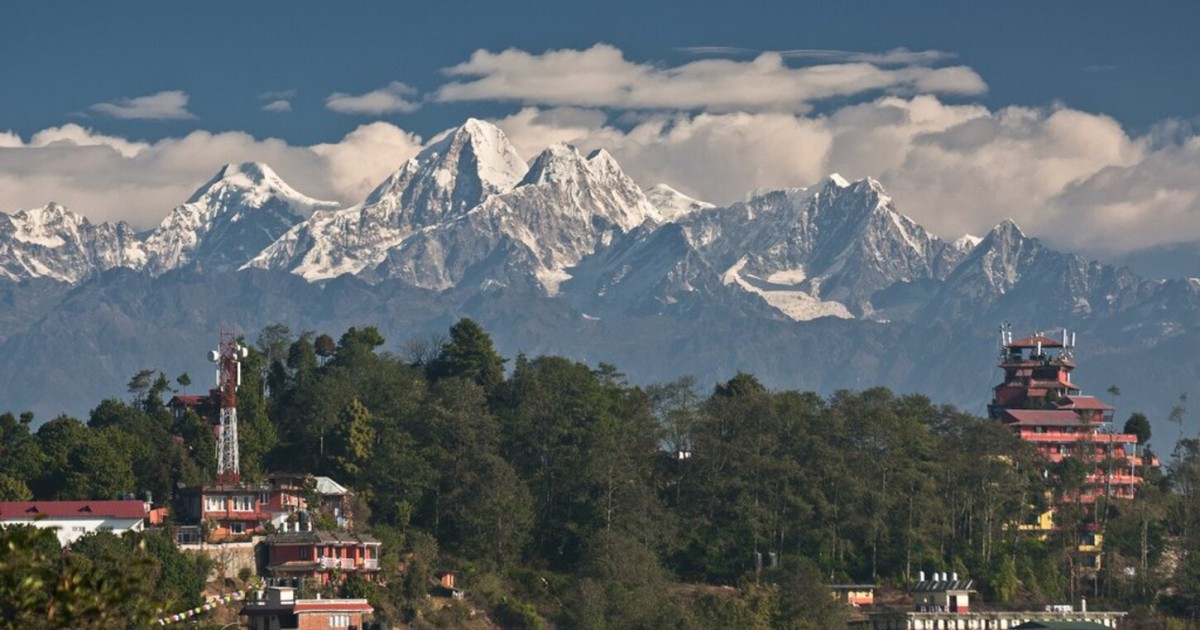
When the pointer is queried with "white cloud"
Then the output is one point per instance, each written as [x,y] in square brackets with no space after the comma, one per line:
[600,76]
[168,105]
[277,106]
[364,157]
[108,179]
[1075,179]
[390,99]
[714,129]
[1153,201]
[896,56]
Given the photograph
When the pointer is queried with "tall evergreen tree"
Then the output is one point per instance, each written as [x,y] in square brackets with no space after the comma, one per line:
[469,354]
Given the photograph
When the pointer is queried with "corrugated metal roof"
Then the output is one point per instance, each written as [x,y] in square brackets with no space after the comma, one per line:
[327,486]
[939,586]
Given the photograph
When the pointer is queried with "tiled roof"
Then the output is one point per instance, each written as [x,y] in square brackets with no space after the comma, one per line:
[1043,417]
[319,538]
[1084,402]
[68,509]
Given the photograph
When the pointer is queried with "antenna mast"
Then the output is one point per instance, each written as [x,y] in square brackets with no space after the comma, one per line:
[228,357]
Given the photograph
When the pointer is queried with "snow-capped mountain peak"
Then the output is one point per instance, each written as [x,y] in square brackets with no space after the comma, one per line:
[229,220]
[443,183]
[672,204]
[452,175]
[1008,227]
[54,242]
[559,163]
[253,185]
[44,226]
[497,161]
[967,242]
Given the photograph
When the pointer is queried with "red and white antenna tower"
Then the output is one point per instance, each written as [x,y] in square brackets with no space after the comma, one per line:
[228,357]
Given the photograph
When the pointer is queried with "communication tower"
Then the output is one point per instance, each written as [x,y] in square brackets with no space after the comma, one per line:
[228,357]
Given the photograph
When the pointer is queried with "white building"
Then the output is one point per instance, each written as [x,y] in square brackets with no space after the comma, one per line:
[74,519]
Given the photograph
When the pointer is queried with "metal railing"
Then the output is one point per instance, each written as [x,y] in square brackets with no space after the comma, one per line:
[348,564]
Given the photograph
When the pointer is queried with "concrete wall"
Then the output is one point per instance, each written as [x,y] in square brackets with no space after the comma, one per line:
[228,558]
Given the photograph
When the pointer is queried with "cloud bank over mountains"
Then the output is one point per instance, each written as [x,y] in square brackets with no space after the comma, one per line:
[601,77]
[712,128]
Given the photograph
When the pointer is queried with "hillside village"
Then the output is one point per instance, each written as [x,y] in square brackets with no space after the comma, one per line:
[325,483]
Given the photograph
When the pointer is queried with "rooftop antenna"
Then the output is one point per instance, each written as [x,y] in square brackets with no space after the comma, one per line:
[228,357]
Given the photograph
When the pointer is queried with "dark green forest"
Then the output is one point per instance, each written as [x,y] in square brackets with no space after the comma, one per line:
[565,496]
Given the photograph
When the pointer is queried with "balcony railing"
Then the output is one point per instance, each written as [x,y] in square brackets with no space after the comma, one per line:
[348,564]
[1055,436]
[337,563]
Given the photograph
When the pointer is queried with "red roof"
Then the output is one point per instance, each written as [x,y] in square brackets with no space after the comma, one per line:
[1043,417]
[1032,342]
[332,605]
[1084,402]
[1055,384]
[66,509]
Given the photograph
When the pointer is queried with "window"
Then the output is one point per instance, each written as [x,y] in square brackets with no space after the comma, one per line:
[243,504]
[339,621]
[79,529]
[214,504]
[237,528]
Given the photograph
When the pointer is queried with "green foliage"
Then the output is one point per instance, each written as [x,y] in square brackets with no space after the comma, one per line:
[469,354]
[353,440]
[803,601]
[622,586]
[256,433]
[14,489]
[40,587]
[518,615]
[1138,424]
[563,493]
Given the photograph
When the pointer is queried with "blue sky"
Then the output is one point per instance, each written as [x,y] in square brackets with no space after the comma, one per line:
[1058,114]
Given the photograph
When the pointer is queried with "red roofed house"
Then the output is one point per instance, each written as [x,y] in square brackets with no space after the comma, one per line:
[227,512]
[74,519]
[299,553]
[278,609]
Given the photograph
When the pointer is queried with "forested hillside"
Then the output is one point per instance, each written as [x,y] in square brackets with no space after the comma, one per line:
[565,496]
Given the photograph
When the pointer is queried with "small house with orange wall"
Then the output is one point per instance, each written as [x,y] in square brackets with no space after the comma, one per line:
[230,512]
[854,594]
[227,512]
